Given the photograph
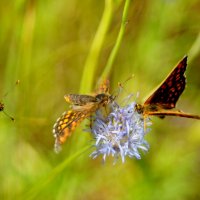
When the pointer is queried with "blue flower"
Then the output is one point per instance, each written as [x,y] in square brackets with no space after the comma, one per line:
[121,133]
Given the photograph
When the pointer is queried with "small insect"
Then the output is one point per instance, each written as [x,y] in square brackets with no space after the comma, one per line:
[82,107]
[2,109]
[163,100]
[2,104]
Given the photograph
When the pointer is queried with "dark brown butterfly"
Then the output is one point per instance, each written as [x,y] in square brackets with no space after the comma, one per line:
[163,100]
[82,107]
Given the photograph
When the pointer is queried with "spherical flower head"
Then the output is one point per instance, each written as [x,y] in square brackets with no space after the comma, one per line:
[121,133]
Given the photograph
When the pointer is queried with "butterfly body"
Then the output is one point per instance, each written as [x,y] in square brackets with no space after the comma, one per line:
[163,100]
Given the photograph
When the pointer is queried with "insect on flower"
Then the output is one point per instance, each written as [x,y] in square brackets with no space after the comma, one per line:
[82,107]
[163,100]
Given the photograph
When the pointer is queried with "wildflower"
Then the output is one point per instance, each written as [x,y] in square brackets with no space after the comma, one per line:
[121,133]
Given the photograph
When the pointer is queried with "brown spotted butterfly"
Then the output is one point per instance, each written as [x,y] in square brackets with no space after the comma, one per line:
[163,100]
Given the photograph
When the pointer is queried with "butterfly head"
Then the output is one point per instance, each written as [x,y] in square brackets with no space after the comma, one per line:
[102,98]
[139,108]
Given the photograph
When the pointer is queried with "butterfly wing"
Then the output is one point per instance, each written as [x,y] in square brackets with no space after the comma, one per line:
[170,90]
[69,120]
[66,124]
[173,113]
[79,99]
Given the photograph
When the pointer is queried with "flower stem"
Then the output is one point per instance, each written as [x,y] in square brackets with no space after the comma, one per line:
[195,49]
[117,44]
[91,62]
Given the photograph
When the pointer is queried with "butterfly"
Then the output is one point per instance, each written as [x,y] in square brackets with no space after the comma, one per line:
[163,100]
[82,107]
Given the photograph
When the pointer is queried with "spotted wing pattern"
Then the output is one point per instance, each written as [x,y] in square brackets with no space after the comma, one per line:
[170,90]
[80,109]
[66,124]
[165,97]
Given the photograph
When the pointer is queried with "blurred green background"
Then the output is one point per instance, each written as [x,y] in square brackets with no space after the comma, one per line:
[45,44]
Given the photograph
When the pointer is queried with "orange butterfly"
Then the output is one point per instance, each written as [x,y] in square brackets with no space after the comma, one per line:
[82,107]
[163,100]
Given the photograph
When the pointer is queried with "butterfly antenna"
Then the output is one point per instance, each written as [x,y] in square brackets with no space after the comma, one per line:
[17,82]
[8,115]
[121,85]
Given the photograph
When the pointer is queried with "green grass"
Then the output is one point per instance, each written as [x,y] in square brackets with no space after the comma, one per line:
[62,47]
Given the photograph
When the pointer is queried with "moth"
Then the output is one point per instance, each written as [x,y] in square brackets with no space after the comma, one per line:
[163,100]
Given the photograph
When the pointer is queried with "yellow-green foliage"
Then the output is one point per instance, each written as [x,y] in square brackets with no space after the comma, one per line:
[59,47]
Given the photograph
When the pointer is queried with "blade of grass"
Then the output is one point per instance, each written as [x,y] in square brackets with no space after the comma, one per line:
[113,54]
[195,49]
[38,187]
[91,62]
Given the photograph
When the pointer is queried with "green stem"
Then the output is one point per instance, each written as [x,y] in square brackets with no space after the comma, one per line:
[38,187]
[117,44]
[195,49]
[91,62]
